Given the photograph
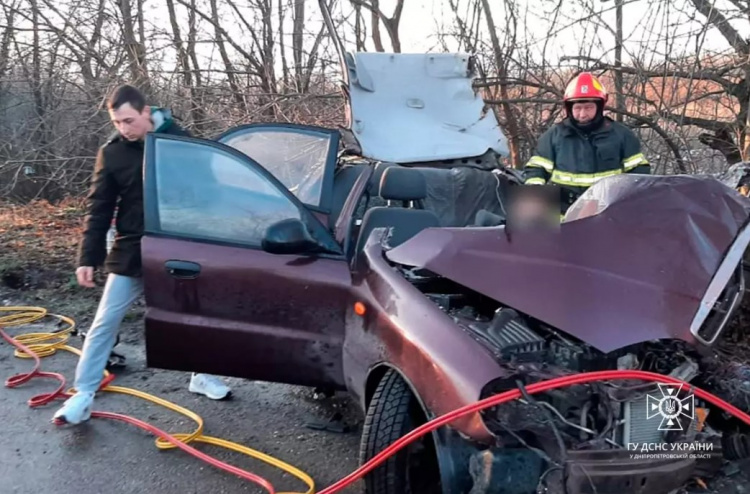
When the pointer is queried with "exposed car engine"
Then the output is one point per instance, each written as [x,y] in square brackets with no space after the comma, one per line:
[612,415]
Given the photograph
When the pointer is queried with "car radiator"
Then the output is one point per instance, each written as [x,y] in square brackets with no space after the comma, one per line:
[638,428]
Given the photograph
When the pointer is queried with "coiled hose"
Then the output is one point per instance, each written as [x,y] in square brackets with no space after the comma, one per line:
[39,345]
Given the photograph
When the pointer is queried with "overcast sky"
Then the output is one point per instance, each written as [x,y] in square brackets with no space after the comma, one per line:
[641,18]
[652,28]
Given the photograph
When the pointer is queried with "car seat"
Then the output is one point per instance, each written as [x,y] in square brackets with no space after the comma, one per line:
[486,218]
[407,186]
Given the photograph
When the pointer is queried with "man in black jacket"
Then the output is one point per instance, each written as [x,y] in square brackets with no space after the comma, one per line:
[118,183]
[586,146]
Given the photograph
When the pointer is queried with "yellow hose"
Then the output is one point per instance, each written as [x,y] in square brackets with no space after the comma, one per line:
[46,344]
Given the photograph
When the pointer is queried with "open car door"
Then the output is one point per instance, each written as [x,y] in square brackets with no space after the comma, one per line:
[302,157]
[217,302]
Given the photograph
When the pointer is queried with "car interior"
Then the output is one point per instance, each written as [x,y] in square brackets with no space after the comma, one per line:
[401,187]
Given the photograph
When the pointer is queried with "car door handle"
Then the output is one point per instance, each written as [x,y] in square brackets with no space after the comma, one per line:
[185,270]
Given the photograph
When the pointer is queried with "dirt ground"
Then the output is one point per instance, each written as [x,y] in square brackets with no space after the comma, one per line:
[37,253]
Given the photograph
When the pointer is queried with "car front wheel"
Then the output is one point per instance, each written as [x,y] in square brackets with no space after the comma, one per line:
[393,412]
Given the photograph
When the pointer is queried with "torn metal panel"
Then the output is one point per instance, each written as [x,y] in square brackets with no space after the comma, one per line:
[737,175]
[634,271]
[417,107]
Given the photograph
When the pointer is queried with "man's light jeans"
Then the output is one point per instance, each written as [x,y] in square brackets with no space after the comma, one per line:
[119,294]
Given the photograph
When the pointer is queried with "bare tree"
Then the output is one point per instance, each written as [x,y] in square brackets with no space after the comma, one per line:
[391,24]
[135,48]
[186,57]
[501,58]
[223,63]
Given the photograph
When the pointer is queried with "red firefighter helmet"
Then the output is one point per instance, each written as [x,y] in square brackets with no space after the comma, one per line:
[585,87]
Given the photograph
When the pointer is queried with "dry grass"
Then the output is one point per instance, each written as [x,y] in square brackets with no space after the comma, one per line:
[38,243]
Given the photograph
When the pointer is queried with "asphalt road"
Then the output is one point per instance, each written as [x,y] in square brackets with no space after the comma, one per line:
[102,456]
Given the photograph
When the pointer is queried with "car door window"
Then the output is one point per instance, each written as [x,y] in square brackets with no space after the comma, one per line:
[205,192]
[296,156]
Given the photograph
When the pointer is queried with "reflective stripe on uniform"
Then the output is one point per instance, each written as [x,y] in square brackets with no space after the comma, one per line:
[535,181]
[540,162]
[634,161]
[581,179]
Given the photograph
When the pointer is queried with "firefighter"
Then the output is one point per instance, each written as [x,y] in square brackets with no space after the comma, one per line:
[586,146]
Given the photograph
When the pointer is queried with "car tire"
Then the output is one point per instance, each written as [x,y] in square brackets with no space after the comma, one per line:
[393,412]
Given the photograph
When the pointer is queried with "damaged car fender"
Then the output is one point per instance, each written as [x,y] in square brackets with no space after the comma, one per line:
[412,334]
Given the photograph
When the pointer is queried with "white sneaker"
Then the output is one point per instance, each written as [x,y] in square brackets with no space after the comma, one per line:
[75,410]
[208,385]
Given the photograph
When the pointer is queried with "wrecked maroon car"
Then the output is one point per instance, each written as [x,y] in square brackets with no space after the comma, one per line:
[362,260]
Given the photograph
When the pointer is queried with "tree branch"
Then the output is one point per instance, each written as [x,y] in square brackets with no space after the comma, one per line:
[681,74]
[387,22]
[717,19]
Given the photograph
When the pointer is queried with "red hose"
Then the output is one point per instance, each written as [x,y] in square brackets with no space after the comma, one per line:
[19,379]
[430,426]
[189,449]
[59,393]
[514,394]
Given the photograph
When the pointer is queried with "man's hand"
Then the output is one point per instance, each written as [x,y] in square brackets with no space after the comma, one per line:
[85,275]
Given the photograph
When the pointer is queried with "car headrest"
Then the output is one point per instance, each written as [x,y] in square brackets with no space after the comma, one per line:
[402,184]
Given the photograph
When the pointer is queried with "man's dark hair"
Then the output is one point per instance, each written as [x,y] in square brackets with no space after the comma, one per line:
[126,94]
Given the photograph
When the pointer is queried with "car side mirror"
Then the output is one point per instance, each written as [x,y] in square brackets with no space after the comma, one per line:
[289,236]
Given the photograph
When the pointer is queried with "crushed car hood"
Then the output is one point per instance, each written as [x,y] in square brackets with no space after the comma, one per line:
[631,262]
[414,107]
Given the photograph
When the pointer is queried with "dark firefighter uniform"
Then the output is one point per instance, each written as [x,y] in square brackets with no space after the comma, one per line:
[574,156]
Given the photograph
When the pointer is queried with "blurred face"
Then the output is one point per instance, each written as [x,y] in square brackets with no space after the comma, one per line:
[530,210]
[531,207]
[584,111]
[132,124]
